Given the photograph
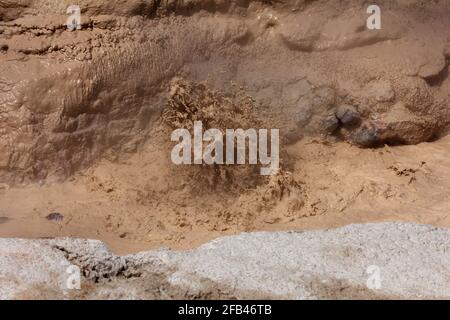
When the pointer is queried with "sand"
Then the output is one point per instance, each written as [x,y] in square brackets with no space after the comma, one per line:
[132,206]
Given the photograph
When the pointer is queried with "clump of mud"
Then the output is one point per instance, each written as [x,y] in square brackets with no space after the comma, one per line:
[194,101]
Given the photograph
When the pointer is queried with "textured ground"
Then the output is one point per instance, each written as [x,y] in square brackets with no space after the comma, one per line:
[80,112]
[363,117]
[332,264]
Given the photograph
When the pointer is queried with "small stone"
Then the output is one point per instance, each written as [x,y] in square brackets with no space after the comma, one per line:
[331,123]
[366,137]
[348,115]
[55,216]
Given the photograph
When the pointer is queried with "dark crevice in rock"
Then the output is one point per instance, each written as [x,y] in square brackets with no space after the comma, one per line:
[97,270]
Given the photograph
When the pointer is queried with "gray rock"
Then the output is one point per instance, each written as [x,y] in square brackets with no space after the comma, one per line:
[412,261]
[348,115]
[366,136]
[55,216]
[331,123]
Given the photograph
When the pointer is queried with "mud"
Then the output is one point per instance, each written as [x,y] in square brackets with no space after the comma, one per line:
[85,117]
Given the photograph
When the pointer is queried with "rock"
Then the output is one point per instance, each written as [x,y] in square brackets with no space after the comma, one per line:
[400,126]
[331,123]
[300,36]
[412,261]
[366,136]
[55,216]
[397,126]
[348,116]
[433,68]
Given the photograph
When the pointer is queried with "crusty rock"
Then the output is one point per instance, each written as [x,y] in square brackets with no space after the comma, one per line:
[400,126]
[411,260]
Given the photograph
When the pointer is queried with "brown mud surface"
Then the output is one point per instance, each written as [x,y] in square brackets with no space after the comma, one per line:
[86,117]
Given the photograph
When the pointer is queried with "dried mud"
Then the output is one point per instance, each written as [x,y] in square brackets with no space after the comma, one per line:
[86,116]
